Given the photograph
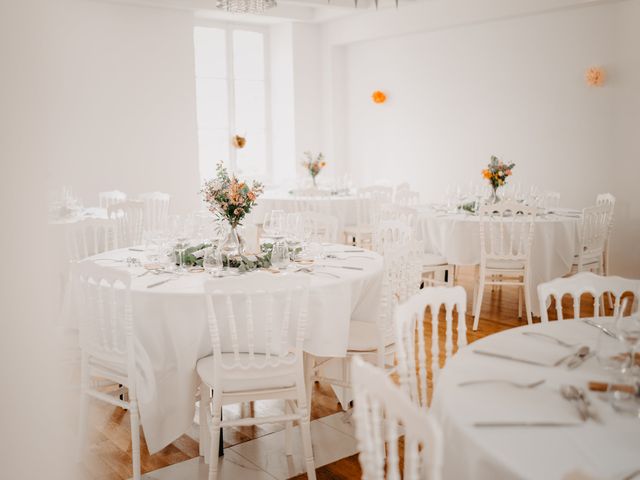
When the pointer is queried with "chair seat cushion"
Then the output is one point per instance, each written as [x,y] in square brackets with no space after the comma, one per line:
[363,336]
[432,260]
[253,378]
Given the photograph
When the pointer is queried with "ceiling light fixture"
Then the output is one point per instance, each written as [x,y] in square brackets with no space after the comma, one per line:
[245,6]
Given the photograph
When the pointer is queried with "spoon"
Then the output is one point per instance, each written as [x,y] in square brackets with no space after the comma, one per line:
[571,393]
[580,357]
[581,352]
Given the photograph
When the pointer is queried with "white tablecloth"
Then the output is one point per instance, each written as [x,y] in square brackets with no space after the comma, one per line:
[457,238]
[343,207]
[170,323]
[606,450]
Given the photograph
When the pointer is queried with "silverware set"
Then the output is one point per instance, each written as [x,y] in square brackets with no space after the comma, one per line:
[573,359]
[578,397]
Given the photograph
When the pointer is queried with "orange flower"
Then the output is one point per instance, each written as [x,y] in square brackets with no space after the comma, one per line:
[378,97]
[486,174]
[323,164]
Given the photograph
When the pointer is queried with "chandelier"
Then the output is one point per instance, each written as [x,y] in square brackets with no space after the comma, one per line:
[245,6]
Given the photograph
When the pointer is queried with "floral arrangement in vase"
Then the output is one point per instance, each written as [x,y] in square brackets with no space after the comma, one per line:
[496,173]
[314,165]
[231,199]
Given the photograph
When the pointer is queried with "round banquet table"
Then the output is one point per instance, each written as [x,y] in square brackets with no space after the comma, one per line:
[456,236]
[170,324]
[595,450]
[343,207]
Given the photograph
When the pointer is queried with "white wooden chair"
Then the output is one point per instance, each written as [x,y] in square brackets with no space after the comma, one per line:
[393,211]
[106,199]
[551,200]
[382,413]
[323,227]
[109,351]
[594,231]
[436,270]
[407,198]
[367,213]
[410,336]
[377,339]
[129,217]
[585,283]
[610,200]
[380,193]
[506,236]
[257,326]
[90,237]
[156,210]
[391,235]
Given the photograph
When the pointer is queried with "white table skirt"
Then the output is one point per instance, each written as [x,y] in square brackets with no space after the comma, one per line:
[606,450]
[342,207]
[457,238]
[171,325]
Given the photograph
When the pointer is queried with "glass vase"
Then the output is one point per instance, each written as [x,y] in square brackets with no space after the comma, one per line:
[494,198]
[232,245]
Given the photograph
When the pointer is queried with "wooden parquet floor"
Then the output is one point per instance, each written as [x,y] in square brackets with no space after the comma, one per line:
[109,452]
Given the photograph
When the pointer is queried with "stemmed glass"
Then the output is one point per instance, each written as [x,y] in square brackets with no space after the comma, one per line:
[627,329]
[274,223]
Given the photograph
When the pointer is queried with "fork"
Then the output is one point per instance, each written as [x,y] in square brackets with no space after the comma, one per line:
[549,337]
[508,382]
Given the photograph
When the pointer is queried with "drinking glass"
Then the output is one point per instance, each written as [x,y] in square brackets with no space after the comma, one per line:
[274,223]
[611,352]
[181,246]
[628,331]
[212,262]
[280,255]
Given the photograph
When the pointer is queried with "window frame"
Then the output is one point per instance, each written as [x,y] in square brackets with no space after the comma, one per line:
[228,29]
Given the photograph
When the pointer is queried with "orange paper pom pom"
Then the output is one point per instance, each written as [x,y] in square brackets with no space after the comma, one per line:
[378,97]
[595,77]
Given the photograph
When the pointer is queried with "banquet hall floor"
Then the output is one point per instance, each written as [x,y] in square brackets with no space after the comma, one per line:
[257,452]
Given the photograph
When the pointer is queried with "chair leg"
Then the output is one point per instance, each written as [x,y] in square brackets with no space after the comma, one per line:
[135,437]
[84,408]
[305,432]
[478,305]
[215,434]
[345,375]
[451,276]
[520,302]
[288,446]
[205,438]
[527,297]
[309,363]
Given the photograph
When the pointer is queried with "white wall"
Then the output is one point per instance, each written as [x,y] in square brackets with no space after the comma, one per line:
[126,87]
[513,87]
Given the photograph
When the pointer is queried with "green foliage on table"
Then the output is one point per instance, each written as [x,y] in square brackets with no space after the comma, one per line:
[468,207]
[244,263]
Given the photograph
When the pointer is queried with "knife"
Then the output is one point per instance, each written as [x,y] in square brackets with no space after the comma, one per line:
[341,266]
[508,357]
[606,331]
[160,282]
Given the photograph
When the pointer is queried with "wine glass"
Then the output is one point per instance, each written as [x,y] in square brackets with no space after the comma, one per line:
[274,223]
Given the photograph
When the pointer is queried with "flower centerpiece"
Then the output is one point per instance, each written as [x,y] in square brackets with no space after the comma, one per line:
[314,165]
[231,199]
[496,173]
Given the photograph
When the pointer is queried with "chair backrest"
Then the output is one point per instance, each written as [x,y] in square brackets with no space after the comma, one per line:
[366,211]
[129,217]
[407,197]
[551,199]
[103,298]
[311,192]
[379,193]
[581,283]
[400,280]
[106,199]
[610,200]
[506,231]
[259,315]
[391,235]
[410,336]
[594,232]
[394,211]
[90,237]
[156,210]
[383,412]
[322,226]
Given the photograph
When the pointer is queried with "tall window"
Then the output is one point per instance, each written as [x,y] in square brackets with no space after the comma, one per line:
[231,95]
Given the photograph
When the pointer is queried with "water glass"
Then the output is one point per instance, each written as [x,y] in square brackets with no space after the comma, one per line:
[212,262]
[280,255]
